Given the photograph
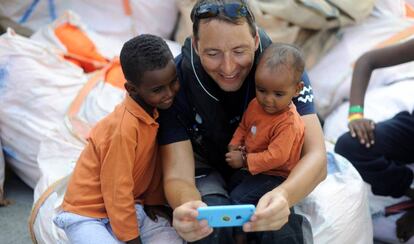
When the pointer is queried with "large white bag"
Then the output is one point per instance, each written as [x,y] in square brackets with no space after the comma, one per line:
[62,146]
[338,207]
[37,86]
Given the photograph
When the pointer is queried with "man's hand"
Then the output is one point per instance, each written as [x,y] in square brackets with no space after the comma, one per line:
[364,130]
[272,212]
[159,210]
[235,159]
[186,224]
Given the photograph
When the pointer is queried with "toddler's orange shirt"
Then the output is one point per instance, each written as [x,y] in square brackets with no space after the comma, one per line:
[273,141]
[118,168]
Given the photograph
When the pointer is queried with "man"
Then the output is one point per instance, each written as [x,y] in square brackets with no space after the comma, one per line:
[216,71]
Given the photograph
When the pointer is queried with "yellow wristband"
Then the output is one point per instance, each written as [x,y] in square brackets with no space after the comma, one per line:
[355,116]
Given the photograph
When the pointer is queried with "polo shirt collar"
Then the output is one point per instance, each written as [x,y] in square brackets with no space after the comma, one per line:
[135,109]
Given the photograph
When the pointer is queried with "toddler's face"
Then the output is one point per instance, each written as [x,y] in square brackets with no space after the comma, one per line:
[275,88]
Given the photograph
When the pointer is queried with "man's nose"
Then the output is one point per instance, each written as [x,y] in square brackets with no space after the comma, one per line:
[228,64]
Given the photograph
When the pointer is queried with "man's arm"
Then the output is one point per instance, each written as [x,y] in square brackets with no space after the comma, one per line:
[178,170]
[311,168]
[181,191]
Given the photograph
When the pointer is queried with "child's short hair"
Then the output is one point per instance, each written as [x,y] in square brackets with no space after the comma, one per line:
[144,53]
[290,56]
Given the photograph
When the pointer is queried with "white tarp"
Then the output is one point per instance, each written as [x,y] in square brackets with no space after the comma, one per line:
[331,76]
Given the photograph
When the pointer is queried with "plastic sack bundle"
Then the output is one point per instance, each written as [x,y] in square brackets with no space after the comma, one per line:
[125,19]
[62,146]
[337,208]
[120,19]
[36,87]
[81,44]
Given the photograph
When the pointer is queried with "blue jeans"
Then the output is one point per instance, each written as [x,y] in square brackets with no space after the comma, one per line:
[85,230]
[246,188]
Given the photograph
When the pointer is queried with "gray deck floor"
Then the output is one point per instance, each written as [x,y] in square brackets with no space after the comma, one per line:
[14,218]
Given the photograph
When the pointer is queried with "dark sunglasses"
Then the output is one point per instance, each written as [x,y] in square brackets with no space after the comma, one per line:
[231,10]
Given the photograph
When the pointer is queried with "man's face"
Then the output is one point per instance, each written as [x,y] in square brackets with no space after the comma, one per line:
[157,88]
[226,52]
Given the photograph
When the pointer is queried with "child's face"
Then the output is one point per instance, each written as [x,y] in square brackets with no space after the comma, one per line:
[275,88]
[157,88]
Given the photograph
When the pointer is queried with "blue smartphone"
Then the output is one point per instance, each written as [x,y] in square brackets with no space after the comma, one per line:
[226,215]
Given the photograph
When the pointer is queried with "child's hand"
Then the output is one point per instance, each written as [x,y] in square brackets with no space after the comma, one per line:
[158,210]
[364,130]
[235,159]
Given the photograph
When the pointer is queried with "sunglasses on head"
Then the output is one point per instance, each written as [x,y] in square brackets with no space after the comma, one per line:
[231,10]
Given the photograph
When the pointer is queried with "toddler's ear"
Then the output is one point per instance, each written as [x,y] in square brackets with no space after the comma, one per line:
[299,88]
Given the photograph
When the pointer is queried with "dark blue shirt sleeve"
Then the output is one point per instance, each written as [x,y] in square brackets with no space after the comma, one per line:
[304,102]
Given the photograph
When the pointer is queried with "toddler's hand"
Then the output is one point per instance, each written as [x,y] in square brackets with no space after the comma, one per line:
[235,159]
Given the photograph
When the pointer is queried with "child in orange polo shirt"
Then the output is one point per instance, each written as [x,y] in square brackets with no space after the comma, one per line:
[118,172]
[269,139]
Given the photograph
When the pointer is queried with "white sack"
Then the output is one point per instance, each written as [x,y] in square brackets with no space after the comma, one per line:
[338,207]
[37,86]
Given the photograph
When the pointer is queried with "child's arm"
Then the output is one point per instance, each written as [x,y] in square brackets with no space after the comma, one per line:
[236,156]
[368,62]
[239,135]
[277,153]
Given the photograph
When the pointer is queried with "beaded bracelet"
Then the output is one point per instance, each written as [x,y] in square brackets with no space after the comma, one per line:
[355,116]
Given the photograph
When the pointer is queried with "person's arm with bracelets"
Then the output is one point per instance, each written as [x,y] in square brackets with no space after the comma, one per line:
[359,126]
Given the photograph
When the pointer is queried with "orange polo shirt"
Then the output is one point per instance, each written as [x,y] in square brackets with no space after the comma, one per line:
[118,168]
[273,141]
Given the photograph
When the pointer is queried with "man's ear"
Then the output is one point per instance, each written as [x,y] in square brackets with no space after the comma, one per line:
[256,39]
[195,44]
[299,88]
